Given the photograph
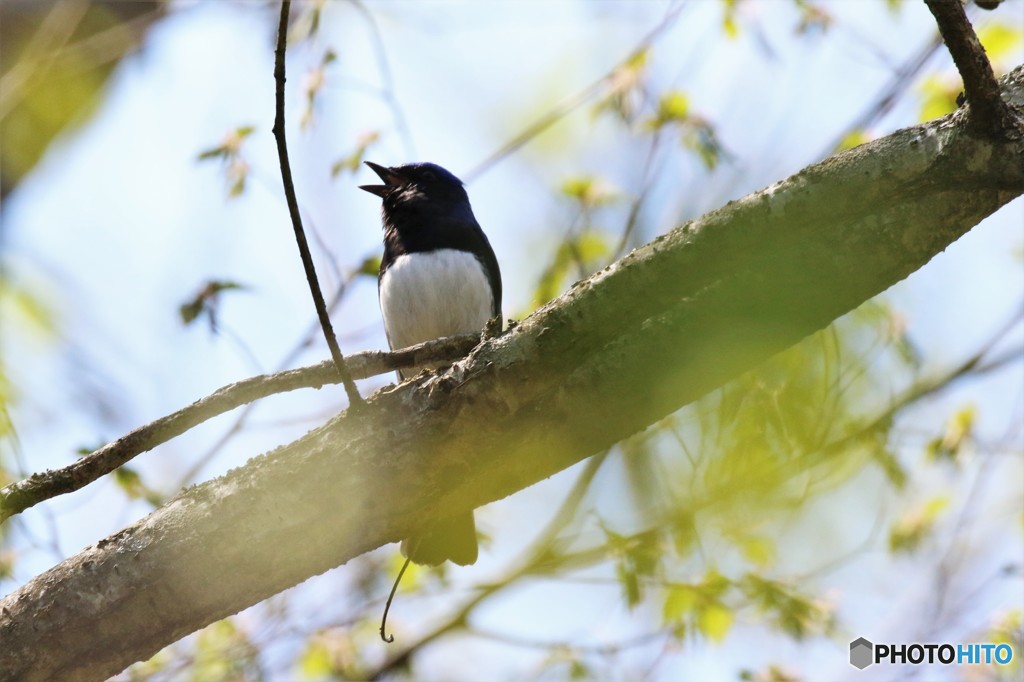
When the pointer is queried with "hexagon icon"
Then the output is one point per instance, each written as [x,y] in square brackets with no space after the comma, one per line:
[861,651]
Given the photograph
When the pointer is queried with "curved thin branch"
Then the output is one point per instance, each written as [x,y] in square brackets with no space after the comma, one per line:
[19,496]
[354,399]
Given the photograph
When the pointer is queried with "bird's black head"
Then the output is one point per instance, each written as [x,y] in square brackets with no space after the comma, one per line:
[417,188]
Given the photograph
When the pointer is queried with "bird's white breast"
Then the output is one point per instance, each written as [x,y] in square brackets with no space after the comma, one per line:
[425,296]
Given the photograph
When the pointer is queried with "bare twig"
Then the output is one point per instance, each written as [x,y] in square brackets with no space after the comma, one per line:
[19,496]
[355,400]
[990,115]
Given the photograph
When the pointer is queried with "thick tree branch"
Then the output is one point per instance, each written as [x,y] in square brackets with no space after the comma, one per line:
[19,496]
[354,399]
[990,115]
[652,332]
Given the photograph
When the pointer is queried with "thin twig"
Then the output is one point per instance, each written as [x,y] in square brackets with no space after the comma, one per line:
[989,114]
[388,639]
[19,496]
[355,400]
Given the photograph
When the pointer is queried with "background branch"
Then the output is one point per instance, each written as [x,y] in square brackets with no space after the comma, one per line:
[354,398]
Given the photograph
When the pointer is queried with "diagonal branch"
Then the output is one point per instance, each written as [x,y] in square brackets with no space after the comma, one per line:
[990,115]
[19,496]
[654,331]
[354,399]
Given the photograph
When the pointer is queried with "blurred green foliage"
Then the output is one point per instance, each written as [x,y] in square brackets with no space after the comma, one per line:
[355,158]
[55,58]
[229,151]
[206,301]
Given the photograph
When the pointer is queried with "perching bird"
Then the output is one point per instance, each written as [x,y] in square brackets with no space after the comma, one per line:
[438,277]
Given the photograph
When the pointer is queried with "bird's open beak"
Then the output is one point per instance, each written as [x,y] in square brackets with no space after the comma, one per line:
[390,178]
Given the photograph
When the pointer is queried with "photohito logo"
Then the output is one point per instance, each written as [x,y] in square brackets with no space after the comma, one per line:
[863,653]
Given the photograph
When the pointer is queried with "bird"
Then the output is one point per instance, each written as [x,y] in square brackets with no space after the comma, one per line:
[438,277]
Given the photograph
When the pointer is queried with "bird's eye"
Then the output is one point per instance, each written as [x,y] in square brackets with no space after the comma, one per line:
[429,175]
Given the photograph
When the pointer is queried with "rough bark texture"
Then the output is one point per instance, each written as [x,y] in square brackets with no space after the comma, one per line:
[654,331]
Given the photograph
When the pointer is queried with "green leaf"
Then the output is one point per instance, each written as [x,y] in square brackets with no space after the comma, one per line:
[700,137]
[939,97]
[354,159]
[370,267]
[890,465]
[674,105]
[1000,40]
[624,88]
[22,306]
[131,482]
[589,191]
[959,429]
[315,662]
[84,450]
[680,601]
[217,152]
[852,139]
[813,18]
[714,621]
[627,577]
[307,24]
[584,251]
[230,146]
[6,564]
[758,550]
[578,670]
[189,311]
[909,532]
[592,246]
[207,299]
[794,613]
[729,25]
